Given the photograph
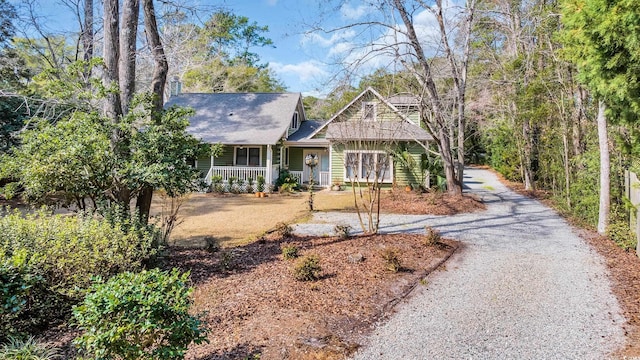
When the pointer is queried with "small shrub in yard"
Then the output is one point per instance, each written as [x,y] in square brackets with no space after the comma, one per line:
[283,230]
[343,231]
[289,252]
[26,303]
[391,259]
[227,261]
[432,236]
[141,315]
[307,269]
[28,349]
[211,244]
[620,233]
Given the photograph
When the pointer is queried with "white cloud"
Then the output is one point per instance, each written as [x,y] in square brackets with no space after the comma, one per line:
[338,36]
[305,71]
[353,13]
[272,2]
[341,48]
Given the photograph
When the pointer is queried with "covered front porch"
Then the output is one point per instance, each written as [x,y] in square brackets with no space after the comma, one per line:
[242,165]
[302,172]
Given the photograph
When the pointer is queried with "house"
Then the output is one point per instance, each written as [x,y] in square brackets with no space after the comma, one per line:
[264,133]
[251,126]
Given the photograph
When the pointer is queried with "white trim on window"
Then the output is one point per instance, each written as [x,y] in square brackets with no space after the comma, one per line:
[369,111]
[248,155]
[295,121]
[356,157]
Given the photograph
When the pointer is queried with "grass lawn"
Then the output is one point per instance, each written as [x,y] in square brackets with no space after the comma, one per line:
[239,219]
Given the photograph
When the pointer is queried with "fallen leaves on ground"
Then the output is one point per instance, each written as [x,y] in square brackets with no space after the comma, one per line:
[255,306]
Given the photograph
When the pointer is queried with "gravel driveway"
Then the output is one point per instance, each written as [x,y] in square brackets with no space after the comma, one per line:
[523,286]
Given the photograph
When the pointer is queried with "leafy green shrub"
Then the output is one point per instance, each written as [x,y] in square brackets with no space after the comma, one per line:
[285,178]
[250,186]
[211,244]
[141,315]
[290,252]
[25,301]
[343,231]
[283,230]
[227,261]
[234,185]
[260,186]
[391,259]
[99,247]
[620,233]
[288,188]
[29,349]
[432,236]
[307,269]
[47,261]
[216,184]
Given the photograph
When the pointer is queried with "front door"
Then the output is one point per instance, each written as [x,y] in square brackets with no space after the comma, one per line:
[323,165]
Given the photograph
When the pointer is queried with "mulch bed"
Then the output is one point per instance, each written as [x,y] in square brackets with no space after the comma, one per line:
[255,307]
[432,203]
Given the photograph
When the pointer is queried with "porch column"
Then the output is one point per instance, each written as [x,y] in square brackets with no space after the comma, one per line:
[269,177]
[330,167]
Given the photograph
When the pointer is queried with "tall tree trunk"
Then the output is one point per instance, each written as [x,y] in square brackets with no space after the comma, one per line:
[422,73]
[128,37]
[161,67]
[605,196]
[565,160]
[160,70]
[87,34]
[111,55]
[528,150]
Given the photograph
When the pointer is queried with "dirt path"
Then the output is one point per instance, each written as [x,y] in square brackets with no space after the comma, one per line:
[524,287]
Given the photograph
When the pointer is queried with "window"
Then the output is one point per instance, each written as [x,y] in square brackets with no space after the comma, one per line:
[369,111]
[294,121]
[247,156]
[367,165]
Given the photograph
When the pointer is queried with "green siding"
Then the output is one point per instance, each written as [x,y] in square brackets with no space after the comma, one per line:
[337,163]
[401,177]
[204,164]
[226,158]
[410,176]
[295,159]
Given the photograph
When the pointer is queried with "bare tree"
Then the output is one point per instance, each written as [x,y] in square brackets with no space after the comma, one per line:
[405,43]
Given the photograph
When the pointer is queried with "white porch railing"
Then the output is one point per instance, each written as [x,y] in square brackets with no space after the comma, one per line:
[238,172]
[207,178]
[324,178]
[297,175]
[300,178]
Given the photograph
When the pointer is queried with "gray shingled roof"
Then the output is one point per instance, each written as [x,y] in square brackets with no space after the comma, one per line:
[307,128]
[403,99]
[376,130]
[239,118]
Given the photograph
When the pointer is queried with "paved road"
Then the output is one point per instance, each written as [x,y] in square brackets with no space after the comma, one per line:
[524,286]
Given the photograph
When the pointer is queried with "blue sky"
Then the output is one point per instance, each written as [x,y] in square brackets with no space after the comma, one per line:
[307,62]
[301,59]
[297,64]
[312,62]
